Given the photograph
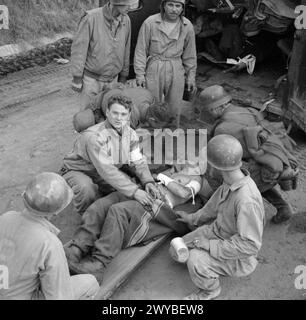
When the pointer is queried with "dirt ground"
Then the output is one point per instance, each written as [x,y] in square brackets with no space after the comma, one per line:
[36,110]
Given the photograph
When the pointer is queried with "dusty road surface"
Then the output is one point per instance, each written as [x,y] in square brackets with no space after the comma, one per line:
[36,110]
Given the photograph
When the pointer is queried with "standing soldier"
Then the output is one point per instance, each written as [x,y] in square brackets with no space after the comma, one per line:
[101,49]
[165,55]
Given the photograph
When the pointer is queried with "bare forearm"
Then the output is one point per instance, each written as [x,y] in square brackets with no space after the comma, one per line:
[179,190]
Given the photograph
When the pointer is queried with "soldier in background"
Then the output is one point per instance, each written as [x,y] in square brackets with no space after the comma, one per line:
[266,157]
[165,55]
[100,53]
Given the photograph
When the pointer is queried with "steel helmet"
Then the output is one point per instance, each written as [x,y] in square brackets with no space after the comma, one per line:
[162,10]
[214,96]
[47,194]
[179,1]
[122,2]
[83,120]
[224,152]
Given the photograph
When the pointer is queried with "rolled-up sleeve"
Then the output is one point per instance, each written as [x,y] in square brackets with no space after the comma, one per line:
[247,242]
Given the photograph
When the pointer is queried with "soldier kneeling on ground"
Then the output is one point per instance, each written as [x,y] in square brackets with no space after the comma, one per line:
[228,246]
[267,157]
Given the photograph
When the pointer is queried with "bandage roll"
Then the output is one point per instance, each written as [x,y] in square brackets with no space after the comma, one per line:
[180,249]
[195,185]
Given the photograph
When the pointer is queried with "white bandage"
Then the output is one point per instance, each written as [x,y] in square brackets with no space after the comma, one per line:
[136,155]
[195,185]
[165,180]
[195,188]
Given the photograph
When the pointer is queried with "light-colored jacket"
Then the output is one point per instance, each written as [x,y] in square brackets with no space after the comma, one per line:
[101,50]
[101,150]
[35,258]
[153,43]
[239,220]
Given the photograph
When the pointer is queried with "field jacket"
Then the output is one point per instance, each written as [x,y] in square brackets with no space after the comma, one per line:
[102,150]
[101,50]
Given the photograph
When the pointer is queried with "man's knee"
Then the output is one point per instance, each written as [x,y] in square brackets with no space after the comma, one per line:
[85,191]
[117,211]
[200,272]
[85,286]
[87,195]
[98,210]
[198,264]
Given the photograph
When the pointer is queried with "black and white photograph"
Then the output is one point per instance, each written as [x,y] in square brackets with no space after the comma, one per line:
[152,151]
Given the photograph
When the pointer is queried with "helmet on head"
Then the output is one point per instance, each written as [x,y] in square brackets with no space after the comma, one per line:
[83,120]
[122,2]
[179,1]
[162,10]
[214,97]
[224,152]
[47,194]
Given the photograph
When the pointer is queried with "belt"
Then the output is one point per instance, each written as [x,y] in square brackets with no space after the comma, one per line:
[162,58]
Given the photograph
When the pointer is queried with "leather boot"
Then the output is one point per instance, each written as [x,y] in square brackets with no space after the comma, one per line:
[284,209]
[88,265]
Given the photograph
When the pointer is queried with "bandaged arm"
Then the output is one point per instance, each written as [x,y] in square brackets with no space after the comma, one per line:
[183,191]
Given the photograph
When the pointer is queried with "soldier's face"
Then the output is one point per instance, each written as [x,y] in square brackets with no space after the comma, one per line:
[173,10]
[120,9]
[118,116]
[217,112]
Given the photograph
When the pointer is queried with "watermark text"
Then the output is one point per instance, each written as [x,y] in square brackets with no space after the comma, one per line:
[300,281]
[4,17]
[4,277]
[300,21]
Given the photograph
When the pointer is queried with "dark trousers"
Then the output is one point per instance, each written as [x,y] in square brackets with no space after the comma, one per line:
[114,222]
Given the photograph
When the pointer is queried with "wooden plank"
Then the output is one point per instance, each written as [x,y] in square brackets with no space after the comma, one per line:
[124,264]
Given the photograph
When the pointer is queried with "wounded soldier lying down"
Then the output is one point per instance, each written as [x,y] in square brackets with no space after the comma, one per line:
[115,222]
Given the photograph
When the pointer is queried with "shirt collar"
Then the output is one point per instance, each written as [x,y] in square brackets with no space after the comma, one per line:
[240,183]
[159,19]
[109,17]
[107,125]
[42,221]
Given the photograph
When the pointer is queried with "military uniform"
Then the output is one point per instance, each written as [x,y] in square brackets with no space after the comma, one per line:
[100,51]
[99,154]
[164,60]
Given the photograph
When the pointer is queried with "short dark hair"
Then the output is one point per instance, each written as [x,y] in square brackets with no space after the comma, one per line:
[125,101]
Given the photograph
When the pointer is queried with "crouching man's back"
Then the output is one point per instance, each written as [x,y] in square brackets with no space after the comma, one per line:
[33,254]
[31,251]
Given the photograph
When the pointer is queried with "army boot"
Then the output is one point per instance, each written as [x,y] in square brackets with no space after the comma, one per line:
[284,209]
